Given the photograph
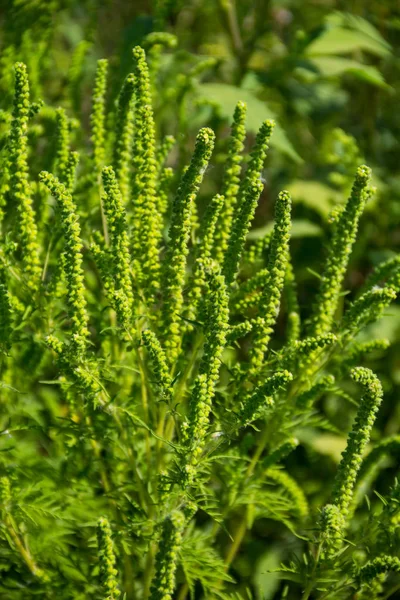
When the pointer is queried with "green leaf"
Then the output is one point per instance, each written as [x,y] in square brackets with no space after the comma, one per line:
[315,195]
[331,66]
[359,24]
[227,96]
[300,228]
[338,40]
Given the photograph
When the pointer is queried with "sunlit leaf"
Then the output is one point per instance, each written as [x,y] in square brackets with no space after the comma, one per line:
[338,40]
[330,66]
[227,96]
[315,195]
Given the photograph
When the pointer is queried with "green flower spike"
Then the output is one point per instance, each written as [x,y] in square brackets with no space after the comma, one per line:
[146,235]
[179,233]
[19,182]
[238,331]
[159,364]
[122,151]
[298,354]
[6,315]
[119,248]
[73,263]
[338,255]
[377,566]
[216,327]
[164,182]
[262,396]
[163,584]
[367,308]
[336,516]
[358,438]
[240,227]
[108,572]
[257,158]
[154,44]
[332,525]
[231,180]
[248,194]
[385,271]
[257,250]
[203,255]
[250,292]
[62,144]
[70,170]
[358,351]
[277,265]
[97,116]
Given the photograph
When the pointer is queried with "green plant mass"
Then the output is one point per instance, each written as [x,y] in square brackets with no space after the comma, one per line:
[198,323]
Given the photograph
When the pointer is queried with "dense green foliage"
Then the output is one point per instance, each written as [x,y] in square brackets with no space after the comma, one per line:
[196,394]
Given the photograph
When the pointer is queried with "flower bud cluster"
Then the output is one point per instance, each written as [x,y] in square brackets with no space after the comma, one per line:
[231,180]
[262,396]
[203,255]
[179,232]
[107,561]
[97,116]
[277,264]
[159,364]
[19,178]
[143,188]
[338,255]
[358,438]
[122,150]
[120,258]
[73,263]
[163,584]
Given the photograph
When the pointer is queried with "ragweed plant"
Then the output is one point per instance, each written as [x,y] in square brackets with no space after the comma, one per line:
[162,381]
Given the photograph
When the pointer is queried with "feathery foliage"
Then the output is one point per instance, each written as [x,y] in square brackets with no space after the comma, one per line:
[159,391]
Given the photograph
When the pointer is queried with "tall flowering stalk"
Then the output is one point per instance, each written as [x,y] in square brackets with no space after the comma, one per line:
[6,314]
[204,253]
[248,195]
[62,144]
[97,117]
[335,514]
[73,263]
[144,202]
[119,251]
[107,561]
[124,128]
[231,181]
[216,327]
[277,265]
[338,254]
[19,179]
[179,232]
[163,584]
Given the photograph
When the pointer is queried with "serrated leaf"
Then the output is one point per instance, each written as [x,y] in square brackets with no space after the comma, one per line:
[338,40]
[359,24]
[331,66]
[227,96]
[315,195]
[300,228]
